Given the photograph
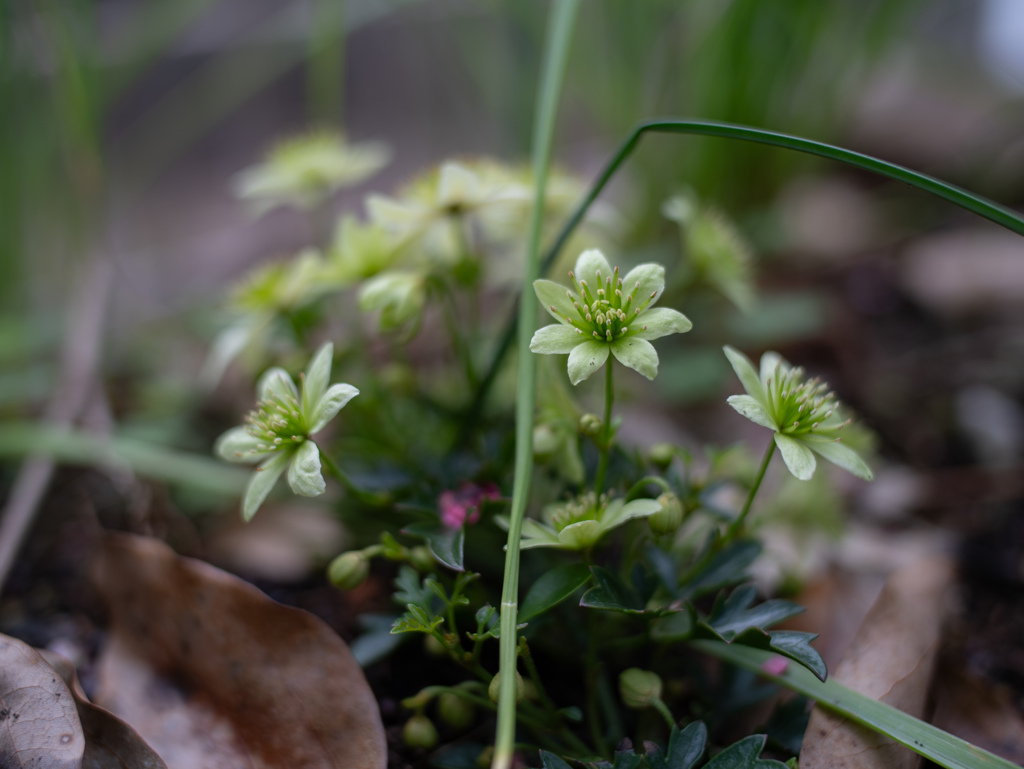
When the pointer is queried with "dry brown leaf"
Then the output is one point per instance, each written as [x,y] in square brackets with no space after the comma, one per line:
[212,673]
[891,658]
[109,742]
[39,723]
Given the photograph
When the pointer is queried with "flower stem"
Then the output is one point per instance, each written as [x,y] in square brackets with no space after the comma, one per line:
[556,55]
[662,708]
[372,498]
[606,432]
[736,526]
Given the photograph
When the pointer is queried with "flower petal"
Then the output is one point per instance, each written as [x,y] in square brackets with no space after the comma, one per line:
[535,534]
[659,322]
[317,377]
[555,299]
[747,373]
[618,513]
[276,383]
[580,535]
[770,363]
[457,185]
[839,454]
[556,340]
[590,263]
[329,405]
[304,474]
[797,456]
[651,278]
[752,409]
[394,214]
[237,445]
[586,358]
[638,354]
[262,481]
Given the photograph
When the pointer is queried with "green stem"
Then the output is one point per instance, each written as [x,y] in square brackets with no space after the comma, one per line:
[375,499]
[736,527]
[606,432]
[662,708]
[640,485]
[459,344]
[556,55]
[970,201]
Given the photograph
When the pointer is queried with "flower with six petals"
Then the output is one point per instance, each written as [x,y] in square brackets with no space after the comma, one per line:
[579,523]
[277,432]
[606,315]
[804,414]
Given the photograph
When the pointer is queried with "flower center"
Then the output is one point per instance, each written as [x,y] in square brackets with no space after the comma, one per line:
[608,310]
[800,407]
[585,507]
[276,423]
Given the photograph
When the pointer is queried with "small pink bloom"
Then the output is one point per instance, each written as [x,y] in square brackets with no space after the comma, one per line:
[460,507]
[775,666]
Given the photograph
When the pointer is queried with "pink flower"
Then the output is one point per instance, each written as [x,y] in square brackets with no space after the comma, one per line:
[457,508]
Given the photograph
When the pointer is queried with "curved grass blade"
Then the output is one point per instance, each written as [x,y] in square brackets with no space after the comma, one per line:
[929,741]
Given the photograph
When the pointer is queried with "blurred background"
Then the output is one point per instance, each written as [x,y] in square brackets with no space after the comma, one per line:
[123,124]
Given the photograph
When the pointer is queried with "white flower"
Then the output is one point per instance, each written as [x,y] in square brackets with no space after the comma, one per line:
[277,433]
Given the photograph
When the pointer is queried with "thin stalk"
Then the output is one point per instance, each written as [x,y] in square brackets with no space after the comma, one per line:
[372,498]
[662,708]
[977,204]
[556,55]
[606,431]
[737,526]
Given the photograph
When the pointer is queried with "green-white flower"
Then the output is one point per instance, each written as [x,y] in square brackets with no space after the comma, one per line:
[277,432]
[803,413]
[606,315]
[304,170]
[579,523]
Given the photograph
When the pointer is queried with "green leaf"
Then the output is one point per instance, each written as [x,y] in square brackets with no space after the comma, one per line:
[627,760]
[685,748]
[739,755]
[934,744]
[445,544]
[378,641]
[675,627]
[733,615]
[611,593]
[728,566]
[552,588]
[416,621]
[551,761]
[410,589]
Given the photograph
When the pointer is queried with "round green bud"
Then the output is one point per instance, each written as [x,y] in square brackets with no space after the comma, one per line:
[492,690]
[639,688]
[662,454]
[433,647]
[670,517]
[422,559]
[455,711]
[591,424]
[419,732]
[349,570]
[545,441]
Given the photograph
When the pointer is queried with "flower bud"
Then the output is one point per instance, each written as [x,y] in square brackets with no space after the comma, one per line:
[349,570]
[492,690]
[670,517]
[455,711]
[639,688]
[433,647]
[661,455]
[422,559]
[545,441]
[591,424]
[419,732]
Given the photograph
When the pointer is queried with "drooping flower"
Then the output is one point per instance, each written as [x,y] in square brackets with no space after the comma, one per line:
[462,506]
[803,413]
[303,171]
[579,523]
[277,432]
[606,315]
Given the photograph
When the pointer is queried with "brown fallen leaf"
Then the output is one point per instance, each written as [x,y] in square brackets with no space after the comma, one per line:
[38,721]
[109,742]
[212,673]
[891,658]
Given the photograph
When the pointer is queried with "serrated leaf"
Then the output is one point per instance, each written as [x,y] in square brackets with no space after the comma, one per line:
[685,748]
[416,621]
[444,543]
[611,593]
[552,588]
[409,589]
[739,755]
[663,566]
[551,761]
[787,643]
[674,627]
[725,568]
